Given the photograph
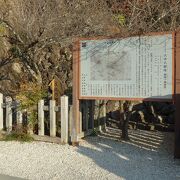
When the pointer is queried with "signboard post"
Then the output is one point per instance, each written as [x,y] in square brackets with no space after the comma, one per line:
[75,124]
[177,97]
[133,68]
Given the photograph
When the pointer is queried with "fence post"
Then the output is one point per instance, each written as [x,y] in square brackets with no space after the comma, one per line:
[1,111]
[18,114]
[52,118]
[64,119]
[41,118]
[81,117]
[104,115]
[19,117]
[8,114]
[86,114]
[70,120]
[91,113]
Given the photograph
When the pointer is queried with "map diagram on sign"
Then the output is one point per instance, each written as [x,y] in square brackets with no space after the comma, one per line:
[110,66]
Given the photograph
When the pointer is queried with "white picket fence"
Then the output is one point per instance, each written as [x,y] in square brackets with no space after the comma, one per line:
[7,106]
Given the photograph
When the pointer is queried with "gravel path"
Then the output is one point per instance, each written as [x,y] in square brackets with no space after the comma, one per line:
[147,156]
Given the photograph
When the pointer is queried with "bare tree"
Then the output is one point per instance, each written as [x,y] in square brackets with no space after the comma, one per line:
[143,16]
[36,25]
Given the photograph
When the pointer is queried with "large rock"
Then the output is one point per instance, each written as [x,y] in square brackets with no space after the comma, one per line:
[147,113]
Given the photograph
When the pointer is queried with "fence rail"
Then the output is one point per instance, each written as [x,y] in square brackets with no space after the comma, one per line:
[6,116]
[61,114]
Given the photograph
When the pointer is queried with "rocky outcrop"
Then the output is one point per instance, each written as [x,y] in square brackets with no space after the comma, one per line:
[145,115]
[38,64]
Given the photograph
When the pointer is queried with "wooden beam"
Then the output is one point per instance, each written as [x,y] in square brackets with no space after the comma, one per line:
[177,96]
[76,111]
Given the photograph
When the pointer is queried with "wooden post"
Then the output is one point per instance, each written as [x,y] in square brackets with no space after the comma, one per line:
[8,114]
[64,119]
[86,120]
[98,113]
[52,85]
[19,117]
[177,96]
[75,123]
[91,114]
[70,119]
[30,126]
[104,115]
[41,118]
[82,115]
[81,118]
[1,111]
[101,117]
[52,118]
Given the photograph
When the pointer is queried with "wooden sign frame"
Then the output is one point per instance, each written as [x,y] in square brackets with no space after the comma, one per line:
[75,124]
[78,62]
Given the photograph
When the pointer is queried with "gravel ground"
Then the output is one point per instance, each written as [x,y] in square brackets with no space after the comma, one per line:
[146,156]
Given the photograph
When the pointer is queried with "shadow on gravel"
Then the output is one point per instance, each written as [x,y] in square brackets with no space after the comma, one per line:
[148,155]
[6,177]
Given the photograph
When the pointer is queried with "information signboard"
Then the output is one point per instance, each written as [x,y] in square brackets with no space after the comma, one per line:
[128,68]
[133,68]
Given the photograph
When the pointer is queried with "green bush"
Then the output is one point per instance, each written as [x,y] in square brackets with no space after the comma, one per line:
[18,136]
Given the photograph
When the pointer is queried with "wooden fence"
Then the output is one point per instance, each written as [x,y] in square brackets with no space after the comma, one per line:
[9,109]
[53,109]
[57,113]
[92,115]
[6,110]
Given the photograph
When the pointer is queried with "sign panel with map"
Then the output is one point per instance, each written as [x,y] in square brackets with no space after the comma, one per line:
[128,68]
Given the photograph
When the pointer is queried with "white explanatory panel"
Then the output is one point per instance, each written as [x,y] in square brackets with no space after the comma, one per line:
[135,67]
